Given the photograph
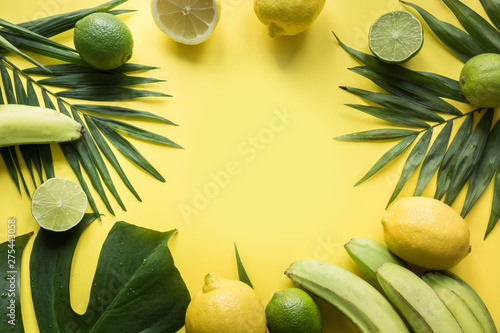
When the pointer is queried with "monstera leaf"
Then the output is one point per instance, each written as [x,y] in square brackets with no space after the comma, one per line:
[136,287]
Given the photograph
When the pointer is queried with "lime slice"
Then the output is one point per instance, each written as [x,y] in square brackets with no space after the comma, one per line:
[396,37]
[58,204]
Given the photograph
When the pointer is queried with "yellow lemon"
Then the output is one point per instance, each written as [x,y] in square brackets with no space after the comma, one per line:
[426,232]
[287,17]
[225,306]
[186,21]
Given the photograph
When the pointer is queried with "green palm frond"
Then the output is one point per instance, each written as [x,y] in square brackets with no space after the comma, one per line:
[90,156]
[415,103]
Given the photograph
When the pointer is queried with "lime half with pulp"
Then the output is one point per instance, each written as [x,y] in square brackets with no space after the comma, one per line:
[396,37]
[58,204]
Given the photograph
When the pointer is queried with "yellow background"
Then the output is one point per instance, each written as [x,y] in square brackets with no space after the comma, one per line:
[285,189]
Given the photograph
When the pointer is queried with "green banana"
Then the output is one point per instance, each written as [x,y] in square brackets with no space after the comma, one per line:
[23,124]
[369,255]
[358,300]
[416,301]
[462,300]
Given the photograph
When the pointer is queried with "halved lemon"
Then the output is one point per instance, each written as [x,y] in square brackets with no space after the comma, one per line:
[186,21]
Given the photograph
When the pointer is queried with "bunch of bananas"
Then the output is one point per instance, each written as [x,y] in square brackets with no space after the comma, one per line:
[398,300]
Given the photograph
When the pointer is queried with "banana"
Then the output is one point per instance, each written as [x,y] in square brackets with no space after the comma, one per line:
[416,301]
[22,124]
[369,255]
[462,300]
[358,300]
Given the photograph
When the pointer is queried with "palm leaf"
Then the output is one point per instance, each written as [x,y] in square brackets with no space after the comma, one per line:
[412,162]
[469,156]
[377,134]
[476,26]
[388,157]
[85,156]
[485,170]
[457,40]
[433,159]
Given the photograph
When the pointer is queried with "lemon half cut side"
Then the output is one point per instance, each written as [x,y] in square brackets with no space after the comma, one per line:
[188,22]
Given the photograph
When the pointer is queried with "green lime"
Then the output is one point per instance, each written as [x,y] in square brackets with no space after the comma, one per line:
[103,41]
[396,37]
[58,204]
[480,80]
[293,311]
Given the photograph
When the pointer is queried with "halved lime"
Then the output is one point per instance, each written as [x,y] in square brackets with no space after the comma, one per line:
[58,204]
[396,37]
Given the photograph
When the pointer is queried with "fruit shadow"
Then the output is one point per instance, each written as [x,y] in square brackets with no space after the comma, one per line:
[287,48]
[192,53]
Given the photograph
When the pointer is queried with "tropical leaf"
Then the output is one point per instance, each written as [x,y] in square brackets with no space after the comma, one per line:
[85,156]
[242,273]
[134,267]
[467,157]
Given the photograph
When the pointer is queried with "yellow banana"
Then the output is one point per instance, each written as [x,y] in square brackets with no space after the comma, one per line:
[22,124]
[358,300]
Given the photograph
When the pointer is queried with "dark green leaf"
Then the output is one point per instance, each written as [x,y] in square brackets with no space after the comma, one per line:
[127,149]
[484,171]
[390,115]
[476,25]
[388,157]
[407,90]
[136,287]
[242,273]
[7,85]
[492,8]
[412,162]
[6,44]
[13,153]
[433,159]
[30,34]
[458,41]
[85,158]
[53,25]
[469,156]
[135,131]
[495,206]
[47,161]
[66,69]
[11,167]
[434,83]
[378,134]
[119,111]
[28,44]
[398,103]
[104,147]
[108,93]
[84,80]
[11,252]
[450,158]
[95,159]
[74,162]
[21,96]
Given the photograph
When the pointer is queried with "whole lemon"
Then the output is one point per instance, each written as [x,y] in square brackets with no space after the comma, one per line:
[224,306]
[293,311]
[287,17]
[480,80]
[103,40]
[426,232]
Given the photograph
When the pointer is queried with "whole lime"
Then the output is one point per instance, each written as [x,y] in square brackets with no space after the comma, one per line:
[103,41]
[293,311]
[426,232]
[480,80]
